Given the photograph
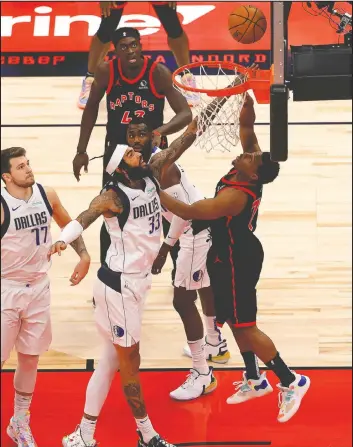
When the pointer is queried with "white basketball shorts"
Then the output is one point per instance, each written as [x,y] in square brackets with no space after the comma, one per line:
[25,317]
[191,272]
[119,306]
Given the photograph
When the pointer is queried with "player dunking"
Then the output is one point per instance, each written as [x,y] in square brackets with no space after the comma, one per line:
[27,209]
[132,213]
[191,273]
[101,41]
[235,262]
[135,86]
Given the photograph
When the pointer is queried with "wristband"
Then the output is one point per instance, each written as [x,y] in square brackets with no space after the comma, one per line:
[71,232]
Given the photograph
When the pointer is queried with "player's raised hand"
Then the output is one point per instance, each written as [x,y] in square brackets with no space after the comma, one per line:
[156,138]
[80,161]
[80,271]
[58,247]
[106,7]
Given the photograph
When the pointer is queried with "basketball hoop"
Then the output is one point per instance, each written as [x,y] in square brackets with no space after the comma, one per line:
[221,88]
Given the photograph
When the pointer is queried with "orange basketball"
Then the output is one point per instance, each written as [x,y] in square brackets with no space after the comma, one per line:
[247,24]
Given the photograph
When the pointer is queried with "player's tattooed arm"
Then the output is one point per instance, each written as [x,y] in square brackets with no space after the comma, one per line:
[62,218]
[164,159]
[107,203]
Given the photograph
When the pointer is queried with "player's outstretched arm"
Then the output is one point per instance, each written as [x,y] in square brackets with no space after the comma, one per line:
[247,119]
[89,118]
[163,81]
[107,203]
[164,159]
[230,202]
[62,218]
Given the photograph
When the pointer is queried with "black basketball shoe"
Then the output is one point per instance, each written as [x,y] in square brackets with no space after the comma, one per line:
[157,441]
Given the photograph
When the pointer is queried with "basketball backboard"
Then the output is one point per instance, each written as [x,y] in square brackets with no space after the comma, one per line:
[279,88]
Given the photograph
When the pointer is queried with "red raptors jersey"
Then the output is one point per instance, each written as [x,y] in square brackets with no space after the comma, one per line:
[128,97]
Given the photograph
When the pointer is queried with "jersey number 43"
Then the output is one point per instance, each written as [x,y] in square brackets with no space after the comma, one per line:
[126,117]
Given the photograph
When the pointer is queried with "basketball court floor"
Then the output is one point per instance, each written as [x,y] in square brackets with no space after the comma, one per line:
[304,293]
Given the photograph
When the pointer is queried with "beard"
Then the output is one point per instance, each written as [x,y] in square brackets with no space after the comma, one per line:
[27,183]
[139,172]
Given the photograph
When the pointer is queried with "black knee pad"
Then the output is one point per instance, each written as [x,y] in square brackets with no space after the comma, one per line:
[170,20]
[109,24]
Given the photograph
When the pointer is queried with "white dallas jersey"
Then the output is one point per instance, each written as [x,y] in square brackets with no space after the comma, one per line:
[25,236]
[135,233]
[192,195]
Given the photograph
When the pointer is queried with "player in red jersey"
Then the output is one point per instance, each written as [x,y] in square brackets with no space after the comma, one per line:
[111,14]
[235,262]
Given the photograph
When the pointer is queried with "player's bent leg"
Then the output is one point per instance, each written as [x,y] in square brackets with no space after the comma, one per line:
[193,275]
[216,346]
[24,383]
[178,43]
[201,379]
[120,301]
[99,48]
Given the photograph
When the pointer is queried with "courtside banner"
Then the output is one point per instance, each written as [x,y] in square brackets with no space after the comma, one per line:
[53,38]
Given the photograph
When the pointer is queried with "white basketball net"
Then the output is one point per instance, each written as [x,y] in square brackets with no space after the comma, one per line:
[219,128]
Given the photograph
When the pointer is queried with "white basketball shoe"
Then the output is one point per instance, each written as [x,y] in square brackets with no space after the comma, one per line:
[75,440]
[195,385]
[19,431]
[289,399]
[250,389]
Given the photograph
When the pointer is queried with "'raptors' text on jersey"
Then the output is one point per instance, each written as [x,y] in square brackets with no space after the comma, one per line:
[25,236]
[127,97]
[135,234]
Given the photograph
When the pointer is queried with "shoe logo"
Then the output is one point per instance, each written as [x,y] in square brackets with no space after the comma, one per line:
[14,209]
[133,198]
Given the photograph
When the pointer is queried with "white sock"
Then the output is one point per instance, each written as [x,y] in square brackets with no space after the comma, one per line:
[146,429]
[199,362]
[88,428]
[22,404]
[214,336]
